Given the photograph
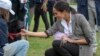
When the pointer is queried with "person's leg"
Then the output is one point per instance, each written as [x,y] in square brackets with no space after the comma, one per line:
[18,48]
[50,11]
[92,18]
[67,49]
[36,18]
[51,52]
[72,48]
[31,12]
[31,8]
[45,19]
[95,46]
[51,17]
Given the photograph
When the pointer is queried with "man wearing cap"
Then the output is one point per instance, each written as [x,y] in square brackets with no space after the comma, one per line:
[18,48]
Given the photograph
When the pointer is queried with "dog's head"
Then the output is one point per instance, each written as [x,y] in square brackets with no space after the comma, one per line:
[13,26]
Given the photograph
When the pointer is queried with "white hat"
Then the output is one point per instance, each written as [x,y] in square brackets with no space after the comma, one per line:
[6,4]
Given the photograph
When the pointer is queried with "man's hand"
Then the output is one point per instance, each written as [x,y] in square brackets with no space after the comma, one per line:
[44,7]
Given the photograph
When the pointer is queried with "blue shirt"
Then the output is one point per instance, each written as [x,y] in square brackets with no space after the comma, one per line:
[3,32]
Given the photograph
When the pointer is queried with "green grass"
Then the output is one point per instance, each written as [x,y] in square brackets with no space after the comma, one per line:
[39,45]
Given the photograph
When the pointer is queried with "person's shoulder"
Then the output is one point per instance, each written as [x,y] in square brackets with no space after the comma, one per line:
[80,18]
[79,15]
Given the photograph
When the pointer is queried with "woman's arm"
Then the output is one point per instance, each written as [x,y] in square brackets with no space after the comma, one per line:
[52,30]
[85,26]
[36,34]
[81,41]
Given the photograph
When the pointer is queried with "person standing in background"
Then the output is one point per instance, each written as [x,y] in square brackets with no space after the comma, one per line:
[31,8]
[91,10]
[50,5]
[40,9]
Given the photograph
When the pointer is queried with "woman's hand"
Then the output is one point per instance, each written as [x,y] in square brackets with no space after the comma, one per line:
[64,39]
[67,39]
[23,32]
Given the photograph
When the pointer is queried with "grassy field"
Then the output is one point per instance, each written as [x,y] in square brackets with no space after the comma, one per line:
[39,45]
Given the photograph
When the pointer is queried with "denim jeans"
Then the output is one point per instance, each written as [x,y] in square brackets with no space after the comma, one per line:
[18,48]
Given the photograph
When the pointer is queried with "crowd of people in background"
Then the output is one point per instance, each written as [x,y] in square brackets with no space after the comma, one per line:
[60,21]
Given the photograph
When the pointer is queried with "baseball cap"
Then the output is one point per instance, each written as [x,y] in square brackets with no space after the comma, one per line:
[6,4]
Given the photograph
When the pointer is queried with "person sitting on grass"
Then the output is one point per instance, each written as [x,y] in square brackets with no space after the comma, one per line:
[73,36]
[18,48]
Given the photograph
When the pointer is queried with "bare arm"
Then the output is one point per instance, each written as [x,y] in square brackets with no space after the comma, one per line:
[85,27]
[35,34]
[80,41]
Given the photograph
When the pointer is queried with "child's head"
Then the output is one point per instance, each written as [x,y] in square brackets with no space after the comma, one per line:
[5,8]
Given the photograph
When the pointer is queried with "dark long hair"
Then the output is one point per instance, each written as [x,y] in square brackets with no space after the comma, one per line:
[64,6]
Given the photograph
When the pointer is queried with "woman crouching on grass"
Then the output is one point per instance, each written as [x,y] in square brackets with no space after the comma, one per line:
[72,32]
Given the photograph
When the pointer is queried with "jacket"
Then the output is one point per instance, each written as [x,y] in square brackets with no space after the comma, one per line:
[3,35]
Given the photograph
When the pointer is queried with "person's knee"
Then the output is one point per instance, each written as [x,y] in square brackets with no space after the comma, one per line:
[25,43]
[56,43]
[47,52]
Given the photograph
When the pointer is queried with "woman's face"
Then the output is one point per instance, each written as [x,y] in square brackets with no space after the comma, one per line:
[59,15]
